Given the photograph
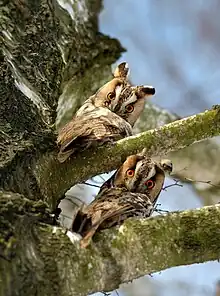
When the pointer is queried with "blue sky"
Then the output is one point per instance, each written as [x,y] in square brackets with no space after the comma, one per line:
[169,46]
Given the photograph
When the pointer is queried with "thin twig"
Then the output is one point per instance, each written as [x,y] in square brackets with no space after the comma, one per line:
[161,211]
[196,181]
[105,293]
[93,179]
[184,169]
[205,182]
[174,184]
[89,184]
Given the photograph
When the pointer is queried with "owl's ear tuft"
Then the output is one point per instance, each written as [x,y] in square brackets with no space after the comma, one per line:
[121,71]
[145,90]
[167,165]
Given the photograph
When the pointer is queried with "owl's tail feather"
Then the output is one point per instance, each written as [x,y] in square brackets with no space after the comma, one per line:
[87,239]
[63,156]
[96,221]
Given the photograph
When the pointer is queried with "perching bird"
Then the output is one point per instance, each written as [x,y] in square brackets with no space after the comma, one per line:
[106,116]
[139,178]
[111,208]
[140,173]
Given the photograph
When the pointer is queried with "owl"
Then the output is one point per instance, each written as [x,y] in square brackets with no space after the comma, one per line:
[140,173]
[138,182]
[106,116]
[111,208]
[119,96]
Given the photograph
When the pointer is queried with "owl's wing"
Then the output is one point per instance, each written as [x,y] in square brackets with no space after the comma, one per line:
[97,215]
[113,208]
[73,130]
[121,207]
[83,132]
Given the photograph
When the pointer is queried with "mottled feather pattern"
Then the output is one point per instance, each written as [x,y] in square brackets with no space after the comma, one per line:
[116,102]
[84,133]
[131,192]
[112,208]
[107,116]
[145,169]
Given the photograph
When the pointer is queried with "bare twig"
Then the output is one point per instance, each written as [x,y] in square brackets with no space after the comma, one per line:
[105,293]
[93,179]
[196,181]
[200,181]
[174,184]
[189,180]
[89,184]
[161,211]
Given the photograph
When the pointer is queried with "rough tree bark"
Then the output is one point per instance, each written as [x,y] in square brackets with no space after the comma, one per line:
[42,260]
[50,56]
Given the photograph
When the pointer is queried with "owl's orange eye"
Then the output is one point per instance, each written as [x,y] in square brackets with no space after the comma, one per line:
[130,173]
[129,108]
[150,184]
[111,95]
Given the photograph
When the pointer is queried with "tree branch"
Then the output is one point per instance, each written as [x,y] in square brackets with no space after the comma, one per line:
[52,265]
[190,162]
[55,178]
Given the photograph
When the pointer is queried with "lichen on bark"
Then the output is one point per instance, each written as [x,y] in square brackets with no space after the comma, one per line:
[42,258]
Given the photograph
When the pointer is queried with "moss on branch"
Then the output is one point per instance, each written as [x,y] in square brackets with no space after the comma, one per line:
[55,178]
[52,265]
[191,162]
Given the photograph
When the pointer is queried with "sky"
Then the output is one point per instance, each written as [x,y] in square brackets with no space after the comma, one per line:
[170,45]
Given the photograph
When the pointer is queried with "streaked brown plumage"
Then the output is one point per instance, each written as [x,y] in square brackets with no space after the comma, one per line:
[95,128]
[105,117]
[110,209]
[137,173]
[139,179]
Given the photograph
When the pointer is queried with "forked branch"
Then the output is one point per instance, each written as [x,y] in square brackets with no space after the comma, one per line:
[56,178]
